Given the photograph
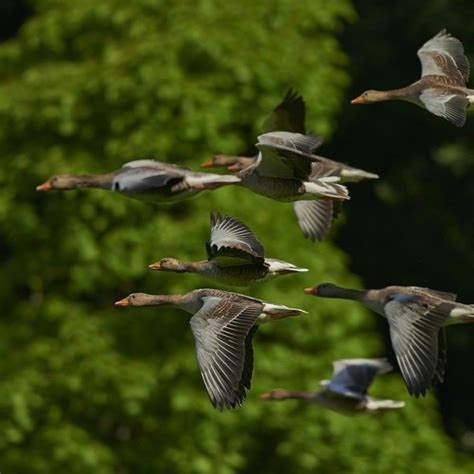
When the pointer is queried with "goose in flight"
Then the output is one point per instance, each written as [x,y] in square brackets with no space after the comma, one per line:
[147,180]
[346,392]
[416,317]
[223,325]
[235,256]
[442,89]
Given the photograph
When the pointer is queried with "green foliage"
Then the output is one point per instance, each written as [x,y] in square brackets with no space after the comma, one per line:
[87,387]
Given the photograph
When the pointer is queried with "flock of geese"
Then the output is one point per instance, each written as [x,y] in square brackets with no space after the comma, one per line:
[287,169]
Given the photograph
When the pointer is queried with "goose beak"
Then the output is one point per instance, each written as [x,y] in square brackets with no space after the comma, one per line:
[44,187]
[123,302]
[208,163]
[155,266]
[311,291]
[235,167]
[358,100]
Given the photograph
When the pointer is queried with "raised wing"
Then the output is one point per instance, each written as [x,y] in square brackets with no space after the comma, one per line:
[444,55]
[232,238]
[286,155]
[451,107]
[414,327]
[223,331]
[352,377]
[289,115]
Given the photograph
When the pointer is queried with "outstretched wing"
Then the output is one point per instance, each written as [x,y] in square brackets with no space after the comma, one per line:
[352,377]
[449,106]
[444,55]
[140,179]
[232,238]
[286,155]
[289,115]
[314,217]
[222,333]
[414,326]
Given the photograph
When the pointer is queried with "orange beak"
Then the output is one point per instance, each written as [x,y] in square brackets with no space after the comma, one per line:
[311,291]
[358,100]
[44,187]
[123,302]
[208,163]
[155,266]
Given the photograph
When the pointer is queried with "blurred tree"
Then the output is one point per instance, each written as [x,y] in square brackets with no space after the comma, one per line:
[86,387]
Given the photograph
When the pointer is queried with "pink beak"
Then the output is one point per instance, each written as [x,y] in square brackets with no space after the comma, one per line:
[123,302]
[358,100]
[44,187]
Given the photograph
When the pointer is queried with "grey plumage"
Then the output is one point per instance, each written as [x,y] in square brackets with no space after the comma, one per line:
[416,317]
[223,324]
[235,256]
[346,392]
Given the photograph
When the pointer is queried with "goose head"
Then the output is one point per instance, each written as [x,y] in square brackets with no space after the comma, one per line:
[61,181]
[169,265]
[327,290]
[142,299]
[369,97]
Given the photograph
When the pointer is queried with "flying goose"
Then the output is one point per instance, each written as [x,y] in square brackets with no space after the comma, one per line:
[148,180]
[314,217]
[223,325]
[235,256]
[442,88]
[346,392]
[416,317]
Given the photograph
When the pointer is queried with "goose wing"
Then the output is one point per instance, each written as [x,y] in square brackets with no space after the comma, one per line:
[415,322]
[232,241]
[289,115]
[352,377]
[444,55]
[444,295]
[314,217]
[222,331]
[451,107]
[285,155]
[144,178]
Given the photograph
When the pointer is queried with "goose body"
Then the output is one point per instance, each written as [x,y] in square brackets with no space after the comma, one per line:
[416,317]
[346,392]
[235,256]
[282,171]
[147,180]
[223,325]
[442,89]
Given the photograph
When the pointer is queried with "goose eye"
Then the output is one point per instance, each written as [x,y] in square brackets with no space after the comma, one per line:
[116,186]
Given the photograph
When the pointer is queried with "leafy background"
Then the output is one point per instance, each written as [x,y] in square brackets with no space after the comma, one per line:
[86,86]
